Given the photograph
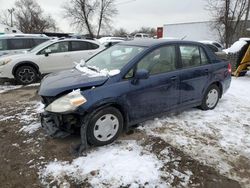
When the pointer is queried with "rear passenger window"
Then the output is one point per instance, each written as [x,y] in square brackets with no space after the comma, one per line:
[15,44]
[160,60]
[77,46]
[3,44]
[190,56]
[92,46]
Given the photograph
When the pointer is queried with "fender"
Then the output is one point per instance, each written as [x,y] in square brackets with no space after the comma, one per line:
[110,102]
[25,63]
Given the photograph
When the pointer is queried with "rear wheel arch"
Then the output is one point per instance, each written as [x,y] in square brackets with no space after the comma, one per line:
[219,85]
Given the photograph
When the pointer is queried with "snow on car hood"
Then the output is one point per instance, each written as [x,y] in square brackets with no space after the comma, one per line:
[59,82]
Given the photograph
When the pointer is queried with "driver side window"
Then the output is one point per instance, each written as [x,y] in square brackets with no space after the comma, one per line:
[159,61]
[57,48]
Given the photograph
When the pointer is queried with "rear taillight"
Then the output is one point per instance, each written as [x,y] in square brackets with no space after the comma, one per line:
[229,68]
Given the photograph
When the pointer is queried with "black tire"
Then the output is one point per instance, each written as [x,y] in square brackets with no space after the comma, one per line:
[91,138]
[26,75]
[205,103]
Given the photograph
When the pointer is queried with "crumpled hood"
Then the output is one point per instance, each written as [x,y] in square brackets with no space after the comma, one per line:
[56,83]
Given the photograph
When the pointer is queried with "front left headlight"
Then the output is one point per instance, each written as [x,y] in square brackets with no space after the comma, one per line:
[5,61]
[67,103]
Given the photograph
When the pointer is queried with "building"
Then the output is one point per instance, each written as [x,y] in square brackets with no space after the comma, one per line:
[191,31]
[199,31]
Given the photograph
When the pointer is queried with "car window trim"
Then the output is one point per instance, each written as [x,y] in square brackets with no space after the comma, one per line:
[39,53]
[135,65]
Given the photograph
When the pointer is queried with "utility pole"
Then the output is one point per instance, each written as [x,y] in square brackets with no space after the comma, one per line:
[11,16]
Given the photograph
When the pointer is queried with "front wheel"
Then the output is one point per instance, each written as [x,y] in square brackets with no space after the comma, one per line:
[105,126]
[26,75]
[211,98]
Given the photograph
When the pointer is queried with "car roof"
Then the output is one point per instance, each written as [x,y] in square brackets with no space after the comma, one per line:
[155,42]
[73,39]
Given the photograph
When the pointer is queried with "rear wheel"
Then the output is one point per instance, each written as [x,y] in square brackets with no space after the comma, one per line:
[26,75]
[211,98]
[105,126]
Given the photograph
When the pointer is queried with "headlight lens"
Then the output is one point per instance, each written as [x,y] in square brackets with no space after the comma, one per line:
[67,103]
[5,61]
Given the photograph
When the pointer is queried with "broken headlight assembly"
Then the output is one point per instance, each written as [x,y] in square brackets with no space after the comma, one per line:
[67,103]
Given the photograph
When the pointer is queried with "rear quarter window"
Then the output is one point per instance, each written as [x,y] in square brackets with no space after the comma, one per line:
[15,44]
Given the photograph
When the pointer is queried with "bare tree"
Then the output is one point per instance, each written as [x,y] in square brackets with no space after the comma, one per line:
[120,32]
[5,18]
[90,14]
[30,18]
[229,18]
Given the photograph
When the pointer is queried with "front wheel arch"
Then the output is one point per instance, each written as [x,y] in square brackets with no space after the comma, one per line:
[26,63]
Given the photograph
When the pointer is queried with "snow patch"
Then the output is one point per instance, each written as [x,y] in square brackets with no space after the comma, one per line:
[30,128]
[114,165]
[6,88]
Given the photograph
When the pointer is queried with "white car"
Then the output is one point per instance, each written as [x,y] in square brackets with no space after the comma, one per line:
[50,56]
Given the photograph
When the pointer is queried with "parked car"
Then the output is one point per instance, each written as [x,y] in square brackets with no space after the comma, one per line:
[129,83]
[141,35]
[17,43]
[51,56]
[214,43]
[105,40]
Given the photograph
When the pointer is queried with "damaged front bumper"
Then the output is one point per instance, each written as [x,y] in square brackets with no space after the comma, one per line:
[60,126]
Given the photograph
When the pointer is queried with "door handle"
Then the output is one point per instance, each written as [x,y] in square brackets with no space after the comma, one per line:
[206,71]
[173,78]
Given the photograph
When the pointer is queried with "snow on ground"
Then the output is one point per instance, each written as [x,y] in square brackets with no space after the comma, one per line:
[218,138]
[27,114]
[121,164]
[6,88]
[30,128]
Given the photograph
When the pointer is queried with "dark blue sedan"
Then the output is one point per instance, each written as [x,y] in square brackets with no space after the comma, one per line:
[129,83]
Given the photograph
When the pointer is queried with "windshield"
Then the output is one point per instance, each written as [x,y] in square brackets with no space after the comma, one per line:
[114,58]
[41,46]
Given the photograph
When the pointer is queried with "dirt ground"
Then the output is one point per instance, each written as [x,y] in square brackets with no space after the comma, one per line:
[22,154]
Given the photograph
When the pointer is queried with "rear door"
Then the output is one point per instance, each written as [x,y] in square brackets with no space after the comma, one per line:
[160,92]
[195,73]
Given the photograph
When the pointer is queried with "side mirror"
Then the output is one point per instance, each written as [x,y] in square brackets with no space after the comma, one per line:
[140,74]
[47,52]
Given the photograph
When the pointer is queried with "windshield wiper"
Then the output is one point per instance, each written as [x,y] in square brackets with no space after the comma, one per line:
[92,68]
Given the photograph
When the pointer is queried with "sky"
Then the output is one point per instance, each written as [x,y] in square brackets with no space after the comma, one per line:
[133,14]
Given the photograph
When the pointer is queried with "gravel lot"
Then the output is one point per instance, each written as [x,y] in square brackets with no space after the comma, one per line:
[188,149]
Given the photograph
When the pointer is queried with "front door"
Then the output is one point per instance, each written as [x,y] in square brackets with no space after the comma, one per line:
[58,58]
[160,92]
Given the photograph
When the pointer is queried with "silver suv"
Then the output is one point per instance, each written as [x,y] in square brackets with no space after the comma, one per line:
[16,43]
